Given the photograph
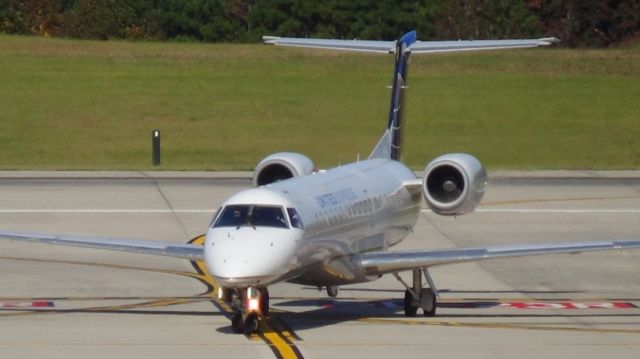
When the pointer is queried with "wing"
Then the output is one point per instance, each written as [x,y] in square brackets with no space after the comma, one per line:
[375,263]
[418,47]
[169,249]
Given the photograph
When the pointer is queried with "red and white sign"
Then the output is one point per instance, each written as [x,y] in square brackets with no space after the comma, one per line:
[567,305]
[31,304]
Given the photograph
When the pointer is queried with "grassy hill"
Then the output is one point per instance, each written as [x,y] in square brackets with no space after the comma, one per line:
[68,104]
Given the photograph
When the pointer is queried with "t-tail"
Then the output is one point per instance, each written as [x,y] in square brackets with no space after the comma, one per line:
[390,143]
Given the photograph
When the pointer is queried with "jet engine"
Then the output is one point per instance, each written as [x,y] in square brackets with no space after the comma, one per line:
[280,166]
[454,184]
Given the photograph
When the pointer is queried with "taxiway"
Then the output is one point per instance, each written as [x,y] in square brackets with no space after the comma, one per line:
[73,302]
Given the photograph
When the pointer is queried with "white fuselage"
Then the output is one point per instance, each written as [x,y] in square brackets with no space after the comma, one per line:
[344,211]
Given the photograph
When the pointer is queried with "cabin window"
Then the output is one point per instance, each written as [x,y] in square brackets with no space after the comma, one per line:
[252,216]
[294,218]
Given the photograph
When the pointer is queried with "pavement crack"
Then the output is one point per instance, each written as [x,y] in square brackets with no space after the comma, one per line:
[170,206]
[437,228]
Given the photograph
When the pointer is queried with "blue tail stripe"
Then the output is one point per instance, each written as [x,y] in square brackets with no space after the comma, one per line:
[397,98]
[409,38]
[390,144]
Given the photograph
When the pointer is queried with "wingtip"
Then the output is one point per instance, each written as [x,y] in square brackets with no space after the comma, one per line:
[549,40]
[271,40]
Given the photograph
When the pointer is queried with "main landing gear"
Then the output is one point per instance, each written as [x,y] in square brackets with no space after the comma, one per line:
[416,296]
[250,305]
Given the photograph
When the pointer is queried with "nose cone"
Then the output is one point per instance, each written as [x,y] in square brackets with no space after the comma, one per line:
[249,257]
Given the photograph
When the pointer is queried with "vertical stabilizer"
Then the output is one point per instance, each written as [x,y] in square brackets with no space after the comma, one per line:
[391,142]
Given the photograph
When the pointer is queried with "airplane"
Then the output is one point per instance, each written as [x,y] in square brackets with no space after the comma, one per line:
[328,228]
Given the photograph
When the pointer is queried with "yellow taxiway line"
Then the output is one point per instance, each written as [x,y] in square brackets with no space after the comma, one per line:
[497,325]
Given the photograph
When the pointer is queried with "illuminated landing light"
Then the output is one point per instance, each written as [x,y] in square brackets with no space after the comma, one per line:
[253,304]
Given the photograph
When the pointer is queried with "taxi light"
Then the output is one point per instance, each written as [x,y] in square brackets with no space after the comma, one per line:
[253,304]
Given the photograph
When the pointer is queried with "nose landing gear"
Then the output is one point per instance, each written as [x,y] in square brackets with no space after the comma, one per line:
[250,306]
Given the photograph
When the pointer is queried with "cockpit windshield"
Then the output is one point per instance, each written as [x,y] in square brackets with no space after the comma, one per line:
[252,216]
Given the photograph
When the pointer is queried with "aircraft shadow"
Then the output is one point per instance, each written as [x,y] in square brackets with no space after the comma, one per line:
[118,311]
[401,291]
[329,311]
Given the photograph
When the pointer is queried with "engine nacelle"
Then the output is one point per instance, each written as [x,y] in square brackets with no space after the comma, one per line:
[454,184]
[280,166]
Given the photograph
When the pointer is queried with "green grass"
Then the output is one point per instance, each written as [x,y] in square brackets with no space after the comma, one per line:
[67,104]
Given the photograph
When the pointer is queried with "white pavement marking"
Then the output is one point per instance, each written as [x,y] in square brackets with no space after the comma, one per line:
[480,210]
[34,210]
[551,210]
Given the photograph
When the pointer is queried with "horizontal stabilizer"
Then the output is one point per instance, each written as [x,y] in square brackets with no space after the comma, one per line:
[352,45]
[417,47]
[423,47]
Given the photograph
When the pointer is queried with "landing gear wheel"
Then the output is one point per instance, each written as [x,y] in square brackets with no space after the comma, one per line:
[332,291]
[410,310]
[429,302]
[264,302]
[237,324]
[251,324]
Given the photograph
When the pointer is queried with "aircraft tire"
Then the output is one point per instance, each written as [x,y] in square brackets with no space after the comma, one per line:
[251,324]
[409,309]
[237,324]
[429,302]
[332,291]
[264,302]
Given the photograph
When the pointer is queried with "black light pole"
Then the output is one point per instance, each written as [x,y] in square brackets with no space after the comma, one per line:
[155,147]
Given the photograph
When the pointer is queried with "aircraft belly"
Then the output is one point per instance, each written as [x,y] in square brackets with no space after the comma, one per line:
[339,271]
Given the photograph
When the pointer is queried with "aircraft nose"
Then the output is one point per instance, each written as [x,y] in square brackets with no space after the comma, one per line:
[249,257]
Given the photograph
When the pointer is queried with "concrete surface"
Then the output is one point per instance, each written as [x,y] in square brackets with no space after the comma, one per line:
[118,305]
